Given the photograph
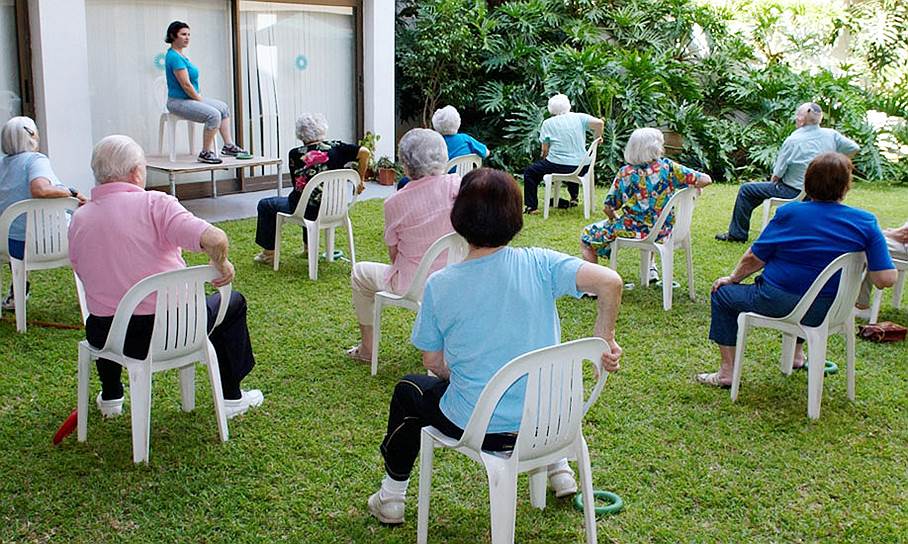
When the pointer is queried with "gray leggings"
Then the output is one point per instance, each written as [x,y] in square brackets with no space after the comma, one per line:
[210,111]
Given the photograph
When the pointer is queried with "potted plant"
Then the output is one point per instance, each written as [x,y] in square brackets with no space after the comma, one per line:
[674,142]
[387,173]
[368,141]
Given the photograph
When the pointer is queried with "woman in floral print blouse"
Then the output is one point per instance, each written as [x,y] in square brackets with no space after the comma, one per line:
[314,156]
[640,190]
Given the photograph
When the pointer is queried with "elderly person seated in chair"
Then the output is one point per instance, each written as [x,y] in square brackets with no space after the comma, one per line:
[24,173]
[315,155]
[805,143]
[415,217]
[800,241]
[446,121]
[125,234]
[897,241]
[511,291]
[563,138]
[640,191]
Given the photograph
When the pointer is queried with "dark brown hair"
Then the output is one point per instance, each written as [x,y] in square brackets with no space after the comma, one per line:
[828,177]
[488,210]
[173,29]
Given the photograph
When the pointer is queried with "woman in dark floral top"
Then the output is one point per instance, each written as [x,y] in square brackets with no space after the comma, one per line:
[314,156]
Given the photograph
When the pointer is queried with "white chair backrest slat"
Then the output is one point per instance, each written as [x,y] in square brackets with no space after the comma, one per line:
[682,205]
[181,314]
[46,226]
[159,92]
[457,249]
[553,407]
[338,194]
[851,266]
[464,164]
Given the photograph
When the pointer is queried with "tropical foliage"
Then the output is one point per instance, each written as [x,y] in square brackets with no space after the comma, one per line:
[675,64]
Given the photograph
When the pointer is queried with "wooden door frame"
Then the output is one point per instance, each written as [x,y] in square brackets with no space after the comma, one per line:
[24,49]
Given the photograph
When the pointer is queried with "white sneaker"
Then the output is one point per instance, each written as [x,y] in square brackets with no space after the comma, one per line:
[562,482]
[9,303]
[389,510]
[237,407]
[653,275]
[109,408]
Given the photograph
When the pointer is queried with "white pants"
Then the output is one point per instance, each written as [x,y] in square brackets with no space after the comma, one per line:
[366,280]
[898,251]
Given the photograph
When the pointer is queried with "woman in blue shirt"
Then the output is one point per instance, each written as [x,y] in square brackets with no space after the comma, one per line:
[184,98]
[24,174]
[800,241]
[461,304]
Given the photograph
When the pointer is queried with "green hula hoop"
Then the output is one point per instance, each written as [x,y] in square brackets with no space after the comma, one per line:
[829,368]
[615,503]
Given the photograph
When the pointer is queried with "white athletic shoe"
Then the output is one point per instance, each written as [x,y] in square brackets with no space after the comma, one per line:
[250,399]
[109,408]
[389,511]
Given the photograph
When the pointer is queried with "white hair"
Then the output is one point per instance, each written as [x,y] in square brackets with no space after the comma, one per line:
[311,127]
[115,157]
[559,104]
[423,152]
[20,134]
[644,146]
[811,112]
[446,121]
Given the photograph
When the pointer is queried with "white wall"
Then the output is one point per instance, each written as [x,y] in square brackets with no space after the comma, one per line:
[378,73]
[60,72]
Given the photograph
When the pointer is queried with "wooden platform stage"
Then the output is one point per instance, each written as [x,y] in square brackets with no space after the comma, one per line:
[187,164]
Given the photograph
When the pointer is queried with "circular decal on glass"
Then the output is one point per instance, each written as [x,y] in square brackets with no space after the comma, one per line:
[160,61]
[301,62]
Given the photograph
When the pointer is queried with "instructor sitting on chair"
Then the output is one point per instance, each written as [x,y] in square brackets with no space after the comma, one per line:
[184,99]
[805,143]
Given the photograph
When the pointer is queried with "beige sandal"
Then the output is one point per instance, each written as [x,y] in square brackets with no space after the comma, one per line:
[712,378]
[354,353]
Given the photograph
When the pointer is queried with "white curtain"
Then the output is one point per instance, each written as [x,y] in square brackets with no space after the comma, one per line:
[10,101]
[297,58]
[125,59]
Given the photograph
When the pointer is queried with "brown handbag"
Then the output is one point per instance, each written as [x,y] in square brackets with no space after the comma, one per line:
[885,331]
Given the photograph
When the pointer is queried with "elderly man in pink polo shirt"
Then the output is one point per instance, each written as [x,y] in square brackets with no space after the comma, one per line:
[125,234]
[415,217]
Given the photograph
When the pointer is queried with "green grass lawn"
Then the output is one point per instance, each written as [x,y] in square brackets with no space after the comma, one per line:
[690,465]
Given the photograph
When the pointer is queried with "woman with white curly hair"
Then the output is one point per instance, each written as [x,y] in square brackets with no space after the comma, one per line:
[446,121]
[640,190]
[563,139]
[315,155]
[415,217]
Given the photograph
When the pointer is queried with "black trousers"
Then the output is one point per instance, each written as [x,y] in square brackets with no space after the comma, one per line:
[414,405]
[532,177]
[230,340]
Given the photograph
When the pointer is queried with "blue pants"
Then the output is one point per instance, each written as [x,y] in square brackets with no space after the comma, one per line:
[16,248]
[533,175]
[751,195]
[759,297]
[266,223]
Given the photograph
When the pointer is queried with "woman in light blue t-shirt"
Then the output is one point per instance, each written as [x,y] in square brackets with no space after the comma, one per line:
[462,302]
[24,174]
[184,98]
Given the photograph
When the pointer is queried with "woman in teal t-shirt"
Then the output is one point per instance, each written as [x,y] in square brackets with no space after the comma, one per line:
[184,100]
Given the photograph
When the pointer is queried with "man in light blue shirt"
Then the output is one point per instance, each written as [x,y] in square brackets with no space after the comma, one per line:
[563,139]
[805,143]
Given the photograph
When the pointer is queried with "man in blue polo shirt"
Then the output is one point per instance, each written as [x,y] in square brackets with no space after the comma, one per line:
[805,143]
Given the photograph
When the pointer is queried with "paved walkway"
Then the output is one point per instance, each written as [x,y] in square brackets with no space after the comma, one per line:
[243,205]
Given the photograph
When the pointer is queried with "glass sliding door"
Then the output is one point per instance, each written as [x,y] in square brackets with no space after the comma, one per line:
[296,58]
[10,101]
[125,59]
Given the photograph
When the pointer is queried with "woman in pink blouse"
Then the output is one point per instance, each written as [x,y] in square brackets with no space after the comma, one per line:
[415,217]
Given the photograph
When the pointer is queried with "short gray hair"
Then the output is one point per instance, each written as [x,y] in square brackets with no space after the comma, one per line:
[311,127]
[446,121]
[559,104]
[423,152]
[812,112]
[20,134]
[115,157]
[644,146]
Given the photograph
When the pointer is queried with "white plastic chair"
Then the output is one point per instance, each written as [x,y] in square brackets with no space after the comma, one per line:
[773,202]
[338,195]
[464,164]
[587,181]
[457,249]
[682,205]
[179,340]
[550,430]
[170,120]
[902,267]
[46,245]
[839,320]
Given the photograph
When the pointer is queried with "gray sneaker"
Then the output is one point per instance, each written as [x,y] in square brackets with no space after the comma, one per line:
[232,150]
